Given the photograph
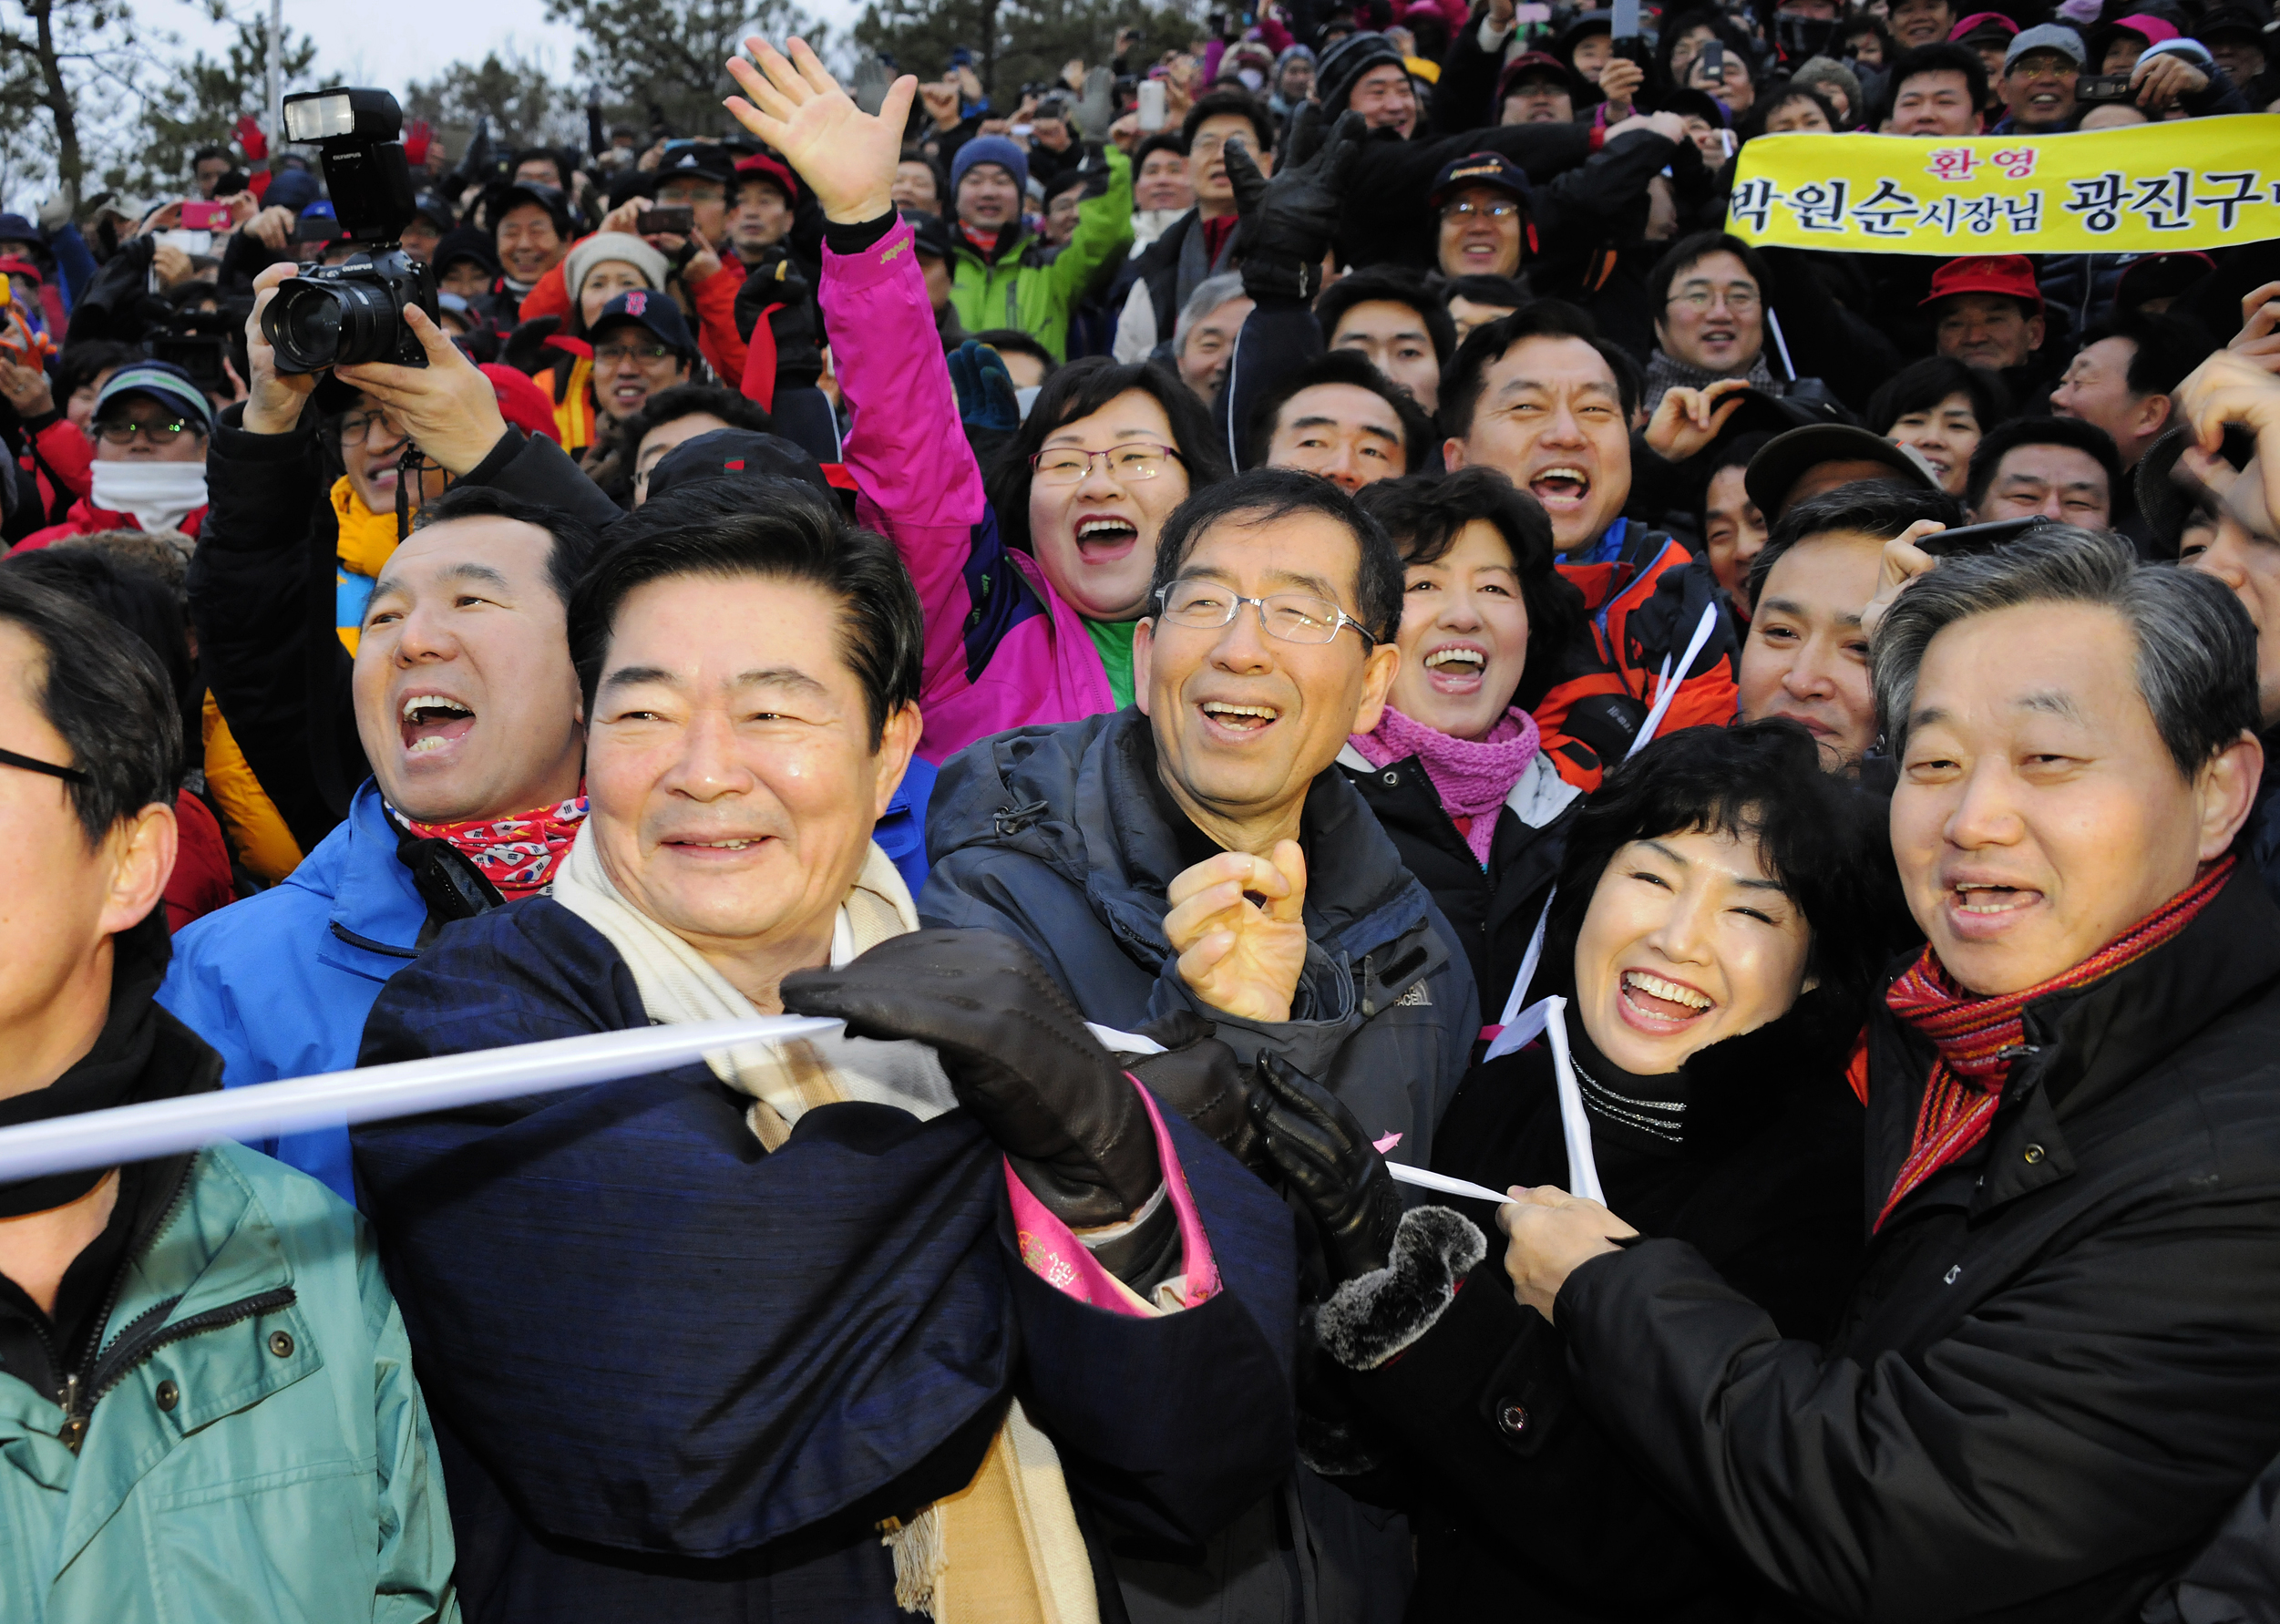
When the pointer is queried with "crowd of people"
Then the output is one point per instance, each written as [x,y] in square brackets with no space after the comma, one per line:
[1257,626]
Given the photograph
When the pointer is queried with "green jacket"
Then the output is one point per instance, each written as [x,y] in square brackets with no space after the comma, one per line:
[1024,289]
[272,1462]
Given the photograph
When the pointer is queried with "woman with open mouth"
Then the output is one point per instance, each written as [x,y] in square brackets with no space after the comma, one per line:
[1724,916]
[1456,770]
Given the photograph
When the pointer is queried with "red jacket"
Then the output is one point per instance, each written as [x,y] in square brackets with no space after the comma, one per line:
[201,881]
[86,519]
[63,450]
[1646,595]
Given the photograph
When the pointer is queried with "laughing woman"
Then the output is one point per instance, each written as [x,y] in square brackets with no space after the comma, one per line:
[1721,924]
[1456,770]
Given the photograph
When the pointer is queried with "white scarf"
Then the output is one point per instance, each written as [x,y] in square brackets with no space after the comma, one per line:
[158,495]
[961,1559]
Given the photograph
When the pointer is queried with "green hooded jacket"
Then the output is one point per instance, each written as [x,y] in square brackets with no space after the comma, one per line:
[1024,289]
[266,1459]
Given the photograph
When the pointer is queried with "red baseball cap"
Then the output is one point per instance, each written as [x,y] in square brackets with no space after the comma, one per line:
[521,401]
[1993,23]
[769,169]
[2012,275]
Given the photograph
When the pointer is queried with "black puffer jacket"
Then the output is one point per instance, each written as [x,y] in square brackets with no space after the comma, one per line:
[2062,1365]
[1523,1507]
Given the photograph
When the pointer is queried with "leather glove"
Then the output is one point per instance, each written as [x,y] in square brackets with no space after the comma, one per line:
[985,388]
[1199,1077]
[1287,221]
[777,291]
[1018,1055]
[1327,1158]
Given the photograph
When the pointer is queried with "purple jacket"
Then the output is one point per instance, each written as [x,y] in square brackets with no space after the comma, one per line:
[1002,649]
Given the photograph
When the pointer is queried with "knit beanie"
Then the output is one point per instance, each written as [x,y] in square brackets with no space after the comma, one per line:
[1344,63]
[996,150]
[612,245]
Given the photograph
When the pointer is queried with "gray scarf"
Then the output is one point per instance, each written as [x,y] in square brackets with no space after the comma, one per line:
[1664,374]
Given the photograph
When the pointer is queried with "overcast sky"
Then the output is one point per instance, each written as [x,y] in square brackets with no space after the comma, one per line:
[391,44]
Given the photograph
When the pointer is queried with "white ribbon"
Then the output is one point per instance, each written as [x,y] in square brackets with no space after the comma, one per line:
[371,1093]
[1666,688]
[1582,1170]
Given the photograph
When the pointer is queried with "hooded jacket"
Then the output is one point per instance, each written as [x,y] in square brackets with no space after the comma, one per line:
[1061,836]
[2060,1364]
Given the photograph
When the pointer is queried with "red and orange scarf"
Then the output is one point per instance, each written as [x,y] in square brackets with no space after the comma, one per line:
[516,854]
[1978,1038]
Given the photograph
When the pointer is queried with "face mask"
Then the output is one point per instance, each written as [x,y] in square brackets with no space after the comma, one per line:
[1026,398]
[160,495]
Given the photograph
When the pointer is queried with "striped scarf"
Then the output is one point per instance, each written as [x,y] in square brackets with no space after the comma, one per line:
[1978,1038]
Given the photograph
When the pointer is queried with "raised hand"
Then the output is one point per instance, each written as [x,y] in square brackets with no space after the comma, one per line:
[448,408]
[274,401]
[1287,221]
[846,156]
[1687,420]
[1237,955]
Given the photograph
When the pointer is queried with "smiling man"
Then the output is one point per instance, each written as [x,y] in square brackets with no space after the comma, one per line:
[1339,417]
[2073,1141]
[1203,852]
[842,1208]
[2036,84]
[1709,297]
[1483,203]
[642,347]
[1805,659]
[2060,469]
[1546,401]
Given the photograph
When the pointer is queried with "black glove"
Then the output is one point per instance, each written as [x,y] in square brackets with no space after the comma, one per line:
[1328,1159]
[776,281]
[1199,1077]
[1287,221]
[1017,1053]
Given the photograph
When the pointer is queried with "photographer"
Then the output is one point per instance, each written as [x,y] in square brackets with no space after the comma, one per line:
[295,497]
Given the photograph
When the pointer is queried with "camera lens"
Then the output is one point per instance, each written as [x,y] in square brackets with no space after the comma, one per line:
[315,323]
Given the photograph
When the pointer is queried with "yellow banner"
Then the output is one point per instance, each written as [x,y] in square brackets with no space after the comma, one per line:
[2191,183]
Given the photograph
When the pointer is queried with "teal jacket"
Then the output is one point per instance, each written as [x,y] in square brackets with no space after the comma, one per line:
[1028,286]
[267,1460]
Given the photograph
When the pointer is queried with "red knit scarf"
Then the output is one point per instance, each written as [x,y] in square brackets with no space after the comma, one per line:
[1979,1037]
[516,854]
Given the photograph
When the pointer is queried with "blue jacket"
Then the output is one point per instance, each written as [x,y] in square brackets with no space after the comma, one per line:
[676,1376]
[280,983]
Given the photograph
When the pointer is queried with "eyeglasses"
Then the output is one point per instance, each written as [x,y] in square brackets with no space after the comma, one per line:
[121,431]
[1294,617]
[1127,464]
[617,355]
[69,773]
[1740,301]
[357,428]
[1468,210]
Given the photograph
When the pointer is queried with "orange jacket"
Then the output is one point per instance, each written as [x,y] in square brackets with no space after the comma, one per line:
[1646,595]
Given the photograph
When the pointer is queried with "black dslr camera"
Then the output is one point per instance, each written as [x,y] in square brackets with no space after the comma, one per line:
[344,316]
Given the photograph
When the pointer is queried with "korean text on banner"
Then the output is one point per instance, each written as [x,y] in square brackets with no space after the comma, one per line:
[2191,183]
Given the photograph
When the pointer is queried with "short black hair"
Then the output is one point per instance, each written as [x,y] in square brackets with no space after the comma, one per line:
[1463,381]
[690,400]
[2086,437]
[1942,55]
[916,154]
[1013,340]
[102,689]
[1228,99]
[1867,506]
[1163,140]
[1727,451]
[2168,347]
[1761,111]
[575,542]
[535,154]
[1506,293]
[1824,840]
[1077,391]
[1425,515]
[779,529]
[1689,252]
[81,364]
[1261,497]
[1342,366]
[127,592]
[1394,284]
[203,153]
[1921,386]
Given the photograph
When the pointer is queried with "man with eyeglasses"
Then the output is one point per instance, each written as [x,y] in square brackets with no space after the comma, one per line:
[2036,85]
[642,347]
[1483,203]
[1708,295]
[150,423]
[1202,852]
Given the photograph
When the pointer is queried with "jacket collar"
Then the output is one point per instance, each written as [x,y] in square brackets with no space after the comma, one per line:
[374,900]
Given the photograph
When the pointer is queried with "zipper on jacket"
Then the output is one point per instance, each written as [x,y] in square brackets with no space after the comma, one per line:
[81,1393]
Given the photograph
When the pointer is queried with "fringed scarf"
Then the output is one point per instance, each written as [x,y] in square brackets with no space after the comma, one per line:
[1978,1038]
[1665,373]
[1472,777]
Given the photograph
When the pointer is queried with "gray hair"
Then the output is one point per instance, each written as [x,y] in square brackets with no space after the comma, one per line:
[1209,295]
[2196,647]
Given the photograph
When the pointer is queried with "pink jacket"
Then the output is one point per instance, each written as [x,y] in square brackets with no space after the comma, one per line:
[1002,649]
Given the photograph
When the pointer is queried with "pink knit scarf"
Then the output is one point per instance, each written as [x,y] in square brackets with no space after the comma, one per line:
[1473,776]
